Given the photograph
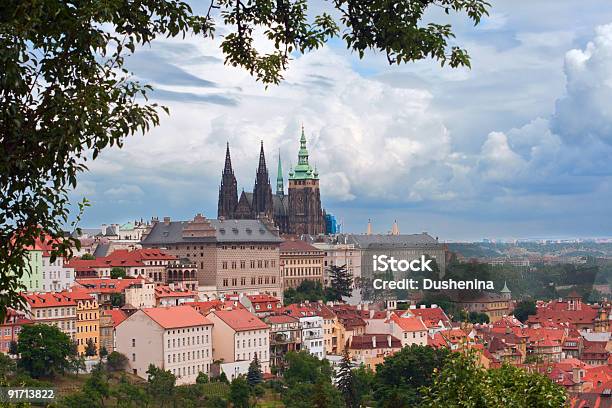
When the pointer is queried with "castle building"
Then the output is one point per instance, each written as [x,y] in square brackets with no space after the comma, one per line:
[299,212]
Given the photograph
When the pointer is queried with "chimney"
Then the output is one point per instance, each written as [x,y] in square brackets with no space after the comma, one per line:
[423,306]
[412,307]
[166,220]
[434,306]
[369,232]
[395,228]
[389,340]
[576,374]
[373,341]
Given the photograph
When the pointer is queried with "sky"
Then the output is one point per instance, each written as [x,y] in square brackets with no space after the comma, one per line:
[518,146]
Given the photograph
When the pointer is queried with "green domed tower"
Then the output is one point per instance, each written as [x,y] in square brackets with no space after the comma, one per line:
[305,212]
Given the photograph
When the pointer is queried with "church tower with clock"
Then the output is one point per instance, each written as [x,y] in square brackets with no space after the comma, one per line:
[305,212]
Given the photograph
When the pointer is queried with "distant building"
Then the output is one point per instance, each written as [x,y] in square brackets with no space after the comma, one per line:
[297,213]
[11,327]
[53,309]
[109,319]
[399,246]
[234,256]
[285,336]
[238,336]
[177,339]
[338,254]
[261,305]
[372,349]
[331,226]
[88,321]
[300,261]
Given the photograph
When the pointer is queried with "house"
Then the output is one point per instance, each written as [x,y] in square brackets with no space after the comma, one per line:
[285,336]
[239,335]
[54,309]
[371,349]
[177,339]
[11,327]
[261,305]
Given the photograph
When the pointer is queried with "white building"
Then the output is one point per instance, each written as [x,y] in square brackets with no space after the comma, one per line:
[338,254]
[312,335]
[238,335]
[55,275]
[177,339]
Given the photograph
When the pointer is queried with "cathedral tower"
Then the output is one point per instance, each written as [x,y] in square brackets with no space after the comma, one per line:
[280,184]
[305,213]
[262,192]
[228,191]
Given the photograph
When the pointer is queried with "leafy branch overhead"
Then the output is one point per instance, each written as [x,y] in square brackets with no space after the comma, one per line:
[66,96]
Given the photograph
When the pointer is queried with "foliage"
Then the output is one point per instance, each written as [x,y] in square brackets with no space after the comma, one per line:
[90,349]
[524,309]
[88,257]
[303,367]
[160,385]
[254,375]
[240,392]
[129,395]
[307,290]
[7,366]
[103,352]
[44,350]
[477,317]
[66,96]
[202,378]
[116,361]
[345,381]
[341,281]
[223,378]
[117,272]
[399,379]
[462,383]
[364,379]
[117,299]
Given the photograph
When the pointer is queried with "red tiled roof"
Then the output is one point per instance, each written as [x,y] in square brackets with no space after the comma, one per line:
[48,299]
[409,324]
[366,342]
[431,316]
[116,315]
[280,319]
[176,317]
[162,291]
[121,258]
[104,285]
[298,246]
[240,319]
[263,299]
[206,306]
[436,341]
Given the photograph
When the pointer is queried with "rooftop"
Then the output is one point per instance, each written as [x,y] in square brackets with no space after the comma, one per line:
[176,317]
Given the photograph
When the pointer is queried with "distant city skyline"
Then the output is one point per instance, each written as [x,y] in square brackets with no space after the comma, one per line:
[518,146]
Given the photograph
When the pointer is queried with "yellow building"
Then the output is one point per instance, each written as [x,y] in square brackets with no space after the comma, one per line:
[88,320]
[300,261]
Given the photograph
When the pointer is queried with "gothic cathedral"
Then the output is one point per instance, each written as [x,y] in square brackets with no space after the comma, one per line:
[297,213]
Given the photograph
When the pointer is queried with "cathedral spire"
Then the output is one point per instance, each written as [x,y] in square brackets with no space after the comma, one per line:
[261,168]
[227,169]
[303,170]
[280,187]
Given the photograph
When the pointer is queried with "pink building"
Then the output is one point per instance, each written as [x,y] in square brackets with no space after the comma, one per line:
[238,335]
[177,339]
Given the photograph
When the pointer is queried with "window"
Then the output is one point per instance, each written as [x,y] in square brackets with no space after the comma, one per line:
[133,342]
[224,265]
[133,356]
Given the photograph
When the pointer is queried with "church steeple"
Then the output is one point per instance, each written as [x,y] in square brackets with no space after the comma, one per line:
[262,193]
[280,185]
[303,170]
[228,190]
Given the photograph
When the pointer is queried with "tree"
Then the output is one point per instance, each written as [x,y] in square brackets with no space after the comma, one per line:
[303,367]
[44,350]
[477,317]
[202,378]
[345,381]
[130,395]
[306,290]
[341,282]
[117,299]
[13,348]
[462,383]
[90,349]
[7,366]
[364,385]
[97,387]
[240,392]
[160,384]
[88,257]
[524,309]
[254,375]
[116,361]
[66,95]
[103,352]
[401,376]
[223,378]
[117,272]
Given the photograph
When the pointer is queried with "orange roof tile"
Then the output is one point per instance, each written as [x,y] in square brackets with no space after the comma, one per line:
[176,317]
[240,319]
